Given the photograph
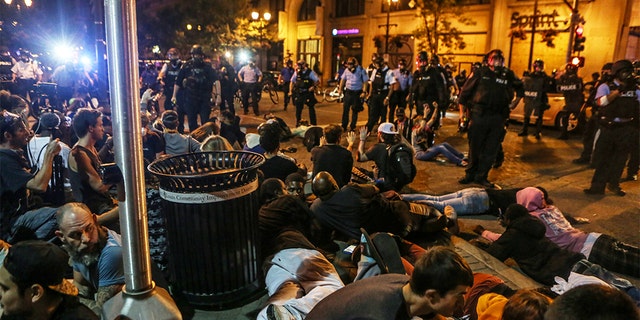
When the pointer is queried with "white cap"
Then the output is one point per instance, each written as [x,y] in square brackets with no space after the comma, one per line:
[387,127]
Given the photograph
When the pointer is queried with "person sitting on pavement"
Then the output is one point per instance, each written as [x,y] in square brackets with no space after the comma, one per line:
[525,304]
[34,287]
[387,137]
[330,156]
[524,241]
[252,143]
[87,184]
[592,301]
[424,152]
[276,165]
[230,129]
[175,142]
[403,124]
[96,254]
[298,275]
[17,215]
[356,206]
[599,248]
[152,142]
[438,283]
[216,143]
[296,184]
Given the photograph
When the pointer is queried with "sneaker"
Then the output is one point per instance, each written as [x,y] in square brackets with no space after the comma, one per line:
[537,135]
[463,163]
[452,220]
[478,229]
[633,177]
[278,312]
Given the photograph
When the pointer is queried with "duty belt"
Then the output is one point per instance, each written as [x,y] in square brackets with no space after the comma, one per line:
[379,91]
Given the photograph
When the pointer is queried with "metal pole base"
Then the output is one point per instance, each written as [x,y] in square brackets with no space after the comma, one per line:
[154,304]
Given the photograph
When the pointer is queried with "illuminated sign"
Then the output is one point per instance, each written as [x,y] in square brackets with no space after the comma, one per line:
[339,32]
[543,20]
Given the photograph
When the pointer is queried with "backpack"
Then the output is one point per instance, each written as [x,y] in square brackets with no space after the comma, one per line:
[400,169]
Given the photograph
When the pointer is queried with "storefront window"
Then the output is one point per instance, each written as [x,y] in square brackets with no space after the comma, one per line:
[348,8]
[308,10]
[309,51]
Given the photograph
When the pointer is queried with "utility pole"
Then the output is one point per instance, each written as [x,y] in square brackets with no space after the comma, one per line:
[575,19]
[533,32]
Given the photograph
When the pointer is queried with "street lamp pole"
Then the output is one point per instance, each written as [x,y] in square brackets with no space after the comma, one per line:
[387,25]
[264,20]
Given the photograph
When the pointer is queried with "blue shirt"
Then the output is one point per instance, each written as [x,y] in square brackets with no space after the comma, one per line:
[249,75]
[287,73]
[110,267]
[354,80]
[604,90]
[312,75]
[404,79]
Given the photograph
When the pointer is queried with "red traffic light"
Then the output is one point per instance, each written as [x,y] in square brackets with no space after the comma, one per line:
[577,61]
[579,30]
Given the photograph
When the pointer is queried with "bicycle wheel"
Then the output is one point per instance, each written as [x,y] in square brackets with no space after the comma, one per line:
[321,95]
[273,94]
[332,95]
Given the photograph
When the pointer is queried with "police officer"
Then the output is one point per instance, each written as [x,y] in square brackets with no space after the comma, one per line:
[167,77]
[428,92]
[354,85]
[591,125]
[197,78]
[303,81]
[250,78]
[379,94]
[228,85]
[284,79]
[486,95]
[572,88]
[400,88]
[619,118]
[536,85]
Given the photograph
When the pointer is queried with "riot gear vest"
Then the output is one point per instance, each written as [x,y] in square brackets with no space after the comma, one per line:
[429,84]
[494,91]
[571,88]
[624,109]
[198,80]
[379,84]
[303,81]
[171,74]
[534,89]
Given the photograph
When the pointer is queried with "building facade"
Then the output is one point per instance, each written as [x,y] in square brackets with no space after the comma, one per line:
[325,33]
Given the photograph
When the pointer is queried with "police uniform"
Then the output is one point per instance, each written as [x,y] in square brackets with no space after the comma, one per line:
[197,79]
[6,63]
[170,72]
[27,74]
[619,124]
[249,80]
[228,86]
[303,80]
[535,85]
[354,80]
[572,89]
[285,75]
[428,91]
[381,79]
[487,94]
[404,80]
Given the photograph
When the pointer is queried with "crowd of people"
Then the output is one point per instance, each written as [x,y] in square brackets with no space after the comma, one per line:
[396,259]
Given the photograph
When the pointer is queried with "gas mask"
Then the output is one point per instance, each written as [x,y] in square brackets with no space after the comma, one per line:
[252,64]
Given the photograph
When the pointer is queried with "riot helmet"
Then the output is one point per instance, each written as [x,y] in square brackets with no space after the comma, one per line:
[196,49]
[622,69]
[173,55]
[538,64]
[379,61]
[495,58]
[571,68]
[324,185]
[422,59]
[435,60]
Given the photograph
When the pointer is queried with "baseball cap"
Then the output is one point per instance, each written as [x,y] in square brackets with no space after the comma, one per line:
[170,119]
[387,127]
[40,262]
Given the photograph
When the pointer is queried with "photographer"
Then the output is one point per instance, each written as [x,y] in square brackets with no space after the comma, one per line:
[87,183]
[619,121]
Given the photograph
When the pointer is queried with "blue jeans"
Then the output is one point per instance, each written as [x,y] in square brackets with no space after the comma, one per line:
[466,201]
[445,149]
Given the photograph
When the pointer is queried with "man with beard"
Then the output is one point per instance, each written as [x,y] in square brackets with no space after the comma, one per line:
[96,254]
[197,78]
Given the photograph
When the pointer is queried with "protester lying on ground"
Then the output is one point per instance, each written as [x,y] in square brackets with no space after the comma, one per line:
[524,241]
[599,248]
[469,201]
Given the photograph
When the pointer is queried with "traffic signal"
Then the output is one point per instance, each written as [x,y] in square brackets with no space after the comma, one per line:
[578,39]
[577,61]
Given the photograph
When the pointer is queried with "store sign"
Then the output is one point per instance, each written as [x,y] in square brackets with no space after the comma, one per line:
[544,21]
[341,32]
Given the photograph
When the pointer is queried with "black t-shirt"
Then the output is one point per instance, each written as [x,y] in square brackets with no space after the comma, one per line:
[152,143]
[278,167]
[334,159]
[72,309]
[13,188]
[285,212]
[499,200]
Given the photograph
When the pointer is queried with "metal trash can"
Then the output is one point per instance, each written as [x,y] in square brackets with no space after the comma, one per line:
[211,203]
